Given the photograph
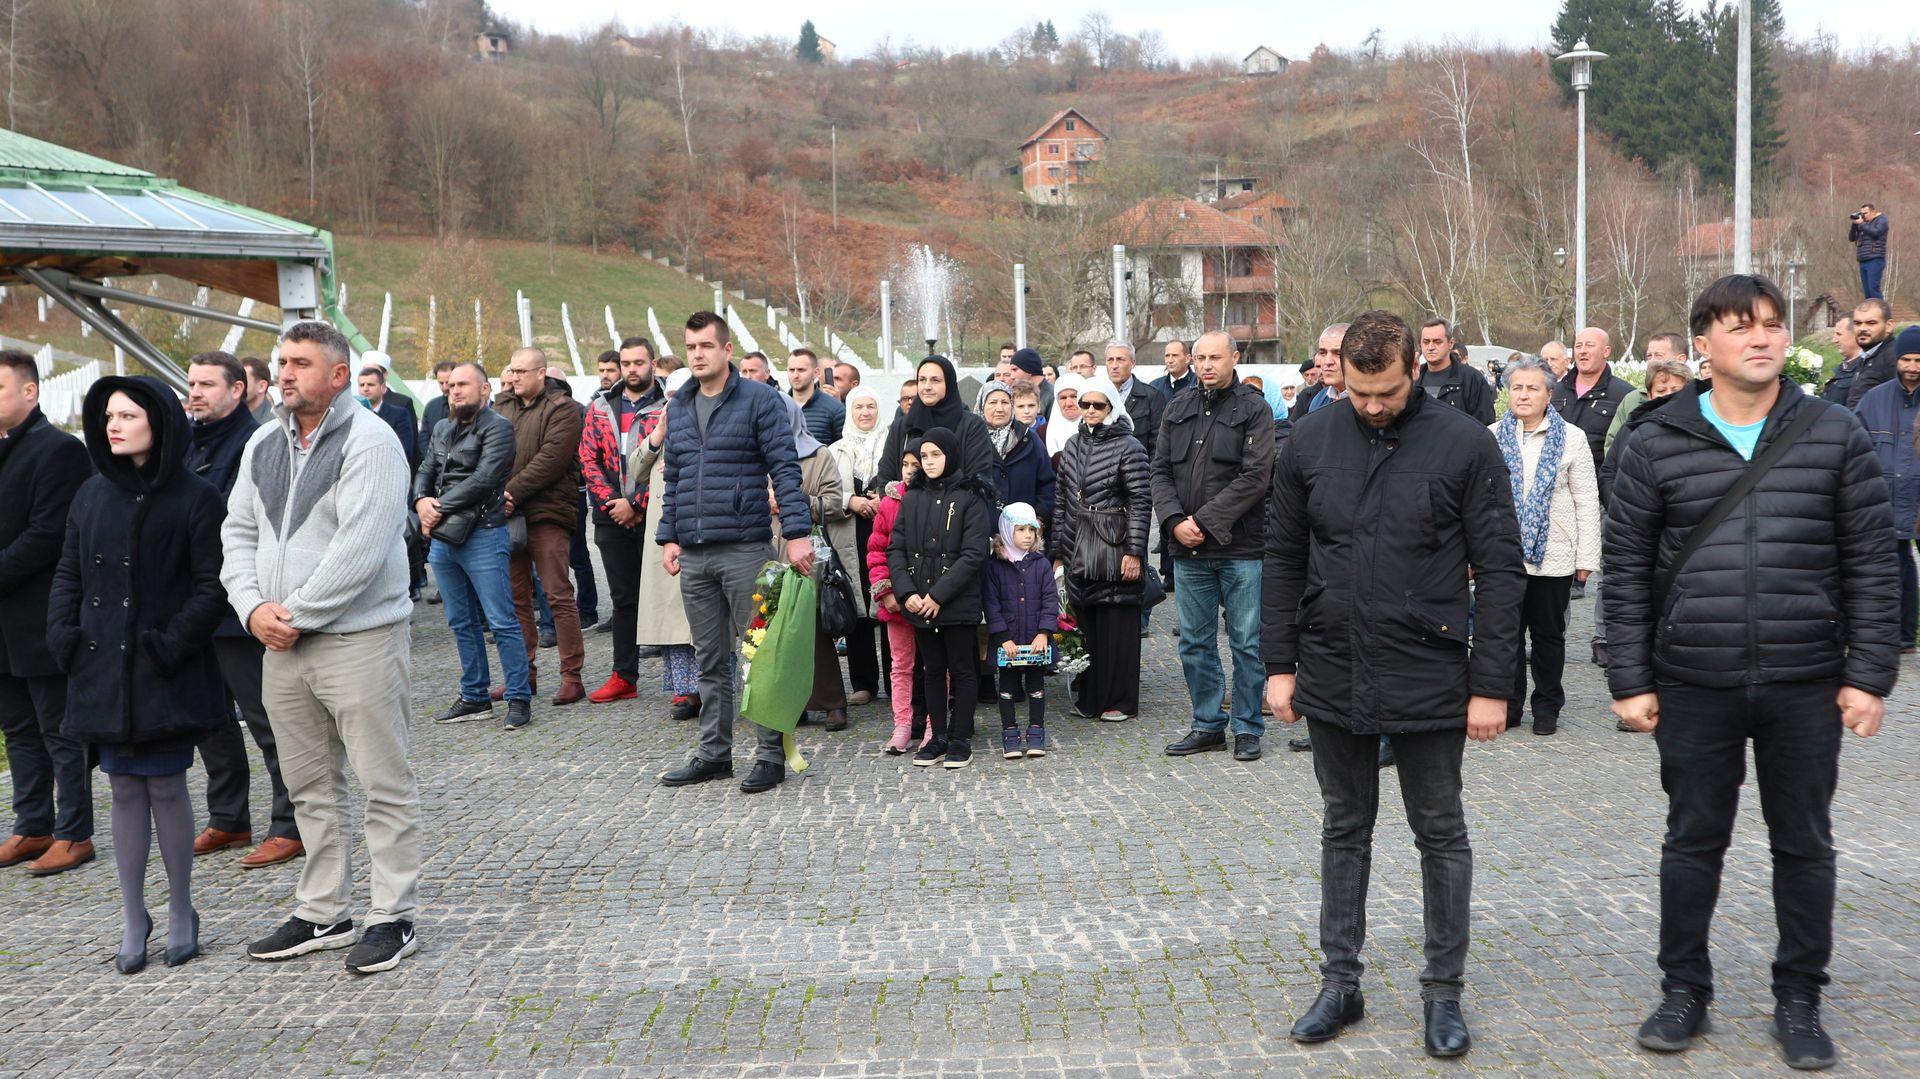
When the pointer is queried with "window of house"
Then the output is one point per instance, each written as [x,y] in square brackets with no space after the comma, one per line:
[1053,149]
[1053,172]
[1070,125]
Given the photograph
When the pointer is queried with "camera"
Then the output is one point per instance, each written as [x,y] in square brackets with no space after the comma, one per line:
[1854,216]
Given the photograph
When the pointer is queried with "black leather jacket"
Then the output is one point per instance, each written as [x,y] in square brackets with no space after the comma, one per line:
[466,467]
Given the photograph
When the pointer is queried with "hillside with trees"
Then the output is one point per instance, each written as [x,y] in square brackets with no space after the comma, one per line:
[1432,179]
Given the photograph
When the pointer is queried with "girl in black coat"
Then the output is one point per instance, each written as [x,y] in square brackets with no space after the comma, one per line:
[1104,481]
[131,616]
[940,544]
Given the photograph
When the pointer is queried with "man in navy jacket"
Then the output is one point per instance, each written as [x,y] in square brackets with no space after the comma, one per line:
[726,439]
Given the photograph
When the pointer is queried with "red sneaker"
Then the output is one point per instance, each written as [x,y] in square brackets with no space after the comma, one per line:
[615,688]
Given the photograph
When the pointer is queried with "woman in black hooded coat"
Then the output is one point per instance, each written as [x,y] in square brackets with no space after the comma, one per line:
[938,405]
[130,619]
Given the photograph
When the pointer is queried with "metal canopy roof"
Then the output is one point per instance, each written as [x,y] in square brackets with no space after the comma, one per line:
[62,209]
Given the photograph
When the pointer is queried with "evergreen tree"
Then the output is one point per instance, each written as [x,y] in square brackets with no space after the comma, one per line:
[809,48]
[1053,38]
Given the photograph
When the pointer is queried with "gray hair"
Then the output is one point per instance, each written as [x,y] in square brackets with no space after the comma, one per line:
[330,340]
[1338,327]
[1525,361]
[1122,345]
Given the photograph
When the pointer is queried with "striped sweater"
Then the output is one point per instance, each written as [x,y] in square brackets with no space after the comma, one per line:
[322,533]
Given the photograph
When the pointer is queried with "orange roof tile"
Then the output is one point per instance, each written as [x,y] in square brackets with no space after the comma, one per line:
[1056,118]
[1172,221]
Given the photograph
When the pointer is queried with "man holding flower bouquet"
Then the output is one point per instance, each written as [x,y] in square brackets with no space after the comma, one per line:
[727,439]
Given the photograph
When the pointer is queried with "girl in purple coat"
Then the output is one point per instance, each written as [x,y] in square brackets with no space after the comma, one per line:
[1022,607]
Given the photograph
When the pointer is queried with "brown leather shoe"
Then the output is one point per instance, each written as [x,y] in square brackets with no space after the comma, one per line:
[213,839]
[570,691]
[275,850]
[65,854]
[23,848]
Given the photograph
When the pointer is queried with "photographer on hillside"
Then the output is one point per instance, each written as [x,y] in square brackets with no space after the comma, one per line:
[1868,235]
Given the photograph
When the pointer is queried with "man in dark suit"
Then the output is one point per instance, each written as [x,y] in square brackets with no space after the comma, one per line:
[397,411]
[41,467]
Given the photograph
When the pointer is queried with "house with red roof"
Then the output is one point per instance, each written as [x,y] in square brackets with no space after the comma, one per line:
[1196,269]
[1062,153]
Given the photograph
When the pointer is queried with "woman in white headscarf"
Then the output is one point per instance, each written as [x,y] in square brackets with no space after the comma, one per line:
[1102,510]
[1064,421]
[858,455]
[820,483]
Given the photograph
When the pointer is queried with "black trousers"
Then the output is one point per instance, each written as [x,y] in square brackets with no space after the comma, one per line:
[863,662]
[224,752]
[1543,615]
[586,592]
[1703,736]
[46,764]
[949,665]
[1347,766]
[1111,682]
[623,553]
[1023,682]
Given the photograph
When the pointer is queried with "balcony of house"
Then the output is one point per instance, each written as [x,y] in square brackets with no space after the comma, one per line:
[1216,284]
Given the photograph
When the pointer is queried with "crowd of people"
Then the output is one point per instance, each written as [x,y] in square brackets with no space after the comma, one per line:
[1392,553]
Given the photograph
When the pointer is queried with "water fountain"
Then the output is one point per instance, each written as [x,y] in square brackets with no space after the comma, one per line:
[927,281]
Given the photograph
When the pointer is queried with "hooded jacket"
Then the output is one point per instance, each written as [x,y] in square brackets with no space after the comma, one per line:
[1370,535]
[137,593]
[41,468]
[1799,584]
[941,539]
[976,448]
[545,484]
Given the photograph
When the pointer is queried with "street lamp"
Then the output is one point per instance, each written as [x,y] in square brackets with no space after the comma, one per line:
[1582,58]
[1794,266]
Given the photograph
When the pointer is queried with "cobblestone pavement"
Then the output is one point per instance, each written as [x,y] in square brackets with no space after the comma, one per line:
[1105,911]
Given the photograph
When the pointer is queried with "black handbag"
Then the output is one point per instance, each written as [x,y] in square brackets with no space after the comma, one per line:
[1099,543]
[456,528]
[837,610]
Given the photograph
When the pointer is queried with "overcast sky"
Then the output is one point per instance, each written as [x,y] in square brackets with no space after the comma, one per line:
[1229,27]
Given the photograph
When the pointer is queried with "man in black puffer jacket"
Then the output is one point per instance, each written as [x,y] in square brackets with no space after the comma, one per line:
[1781,627]
[1382,504]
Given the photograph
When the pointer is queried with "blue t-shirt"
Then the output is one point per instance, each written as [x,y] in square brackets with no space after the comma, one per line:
[1744,439]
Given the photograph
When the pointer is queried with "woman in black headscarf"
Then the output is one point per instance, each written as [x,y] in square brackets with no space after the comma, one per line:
[130,619]
[937,405]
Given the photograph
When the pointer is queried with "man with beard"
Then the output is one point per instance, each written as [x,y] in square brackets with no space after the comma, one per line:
[1381,506]
[216,404]
[458,494]
[617,419]
[1873,329]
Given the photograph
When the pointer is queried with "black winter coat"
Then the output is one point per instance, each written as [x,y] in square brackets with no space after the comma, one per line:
[1024,474]
[1371,535]
[1146,407]
[137,594]
[1103,468]
[1593,413]
[1463,388]
[1875,366]
[1840,386]
[1215,463]
[1800,584]
[466,467]
[940,544]
[213,454]
[41,468]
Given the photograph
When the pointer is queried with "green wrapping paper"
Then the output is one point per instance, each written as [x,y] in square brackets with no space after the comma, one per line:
[779,677]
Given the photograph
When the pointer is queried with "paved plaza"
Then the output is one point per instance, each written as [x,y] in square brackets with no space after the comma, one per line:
[1105,911]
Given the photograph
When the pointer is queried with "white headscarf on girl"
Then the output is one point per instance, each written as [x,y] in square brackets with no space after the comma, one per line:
[1107,390]
[1015,515]
[861,450]
[1059,428]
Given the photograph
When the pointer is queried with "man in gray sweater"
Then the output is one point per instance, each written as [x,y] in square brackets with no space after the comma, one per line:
[316,568]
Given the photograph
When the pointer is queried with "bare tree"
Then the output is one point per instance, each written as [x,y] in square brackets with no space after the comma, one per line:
[1445,248]
[686,104]
[1627,217]
[13,15]
[1096,29]
[305,68]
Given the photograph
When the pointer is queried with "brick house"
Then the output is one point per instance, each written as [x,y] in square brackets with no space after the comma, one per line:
[1062,153]
[1196,269]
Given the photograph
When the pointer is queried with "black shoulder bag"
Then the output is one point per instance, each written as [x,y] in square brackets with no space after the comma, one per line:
[1722,509]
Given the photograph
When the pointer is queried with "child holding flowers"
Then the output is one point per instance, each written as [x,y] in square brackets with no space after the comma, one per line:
[1022,604]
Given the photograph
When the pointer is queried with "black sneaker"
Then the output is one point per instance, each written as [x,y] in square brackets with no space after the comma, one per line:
[1012,746]
[1681,1016]
[465,711]
[1803,1041]
[930,754]
[299,936]
[959,754]
[382,947]
[519,714]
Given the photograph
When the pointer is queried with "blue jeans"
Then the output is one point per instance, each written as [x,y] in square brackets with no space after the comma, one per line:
[1201,588]
[1870,272]
[477,594]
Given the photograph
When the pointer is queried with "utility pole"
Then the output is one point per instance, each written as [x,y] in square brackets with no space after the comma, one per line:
[1019,305]
[1743,147]
[833,134]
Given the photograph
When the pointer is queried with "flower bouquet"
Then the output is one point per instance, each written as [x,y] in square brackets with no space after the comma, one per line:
[776,655]
[1069,643]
